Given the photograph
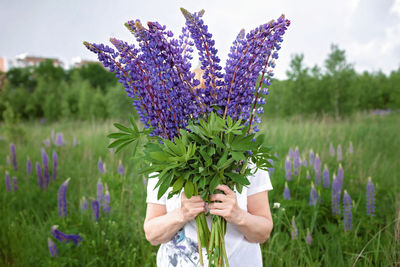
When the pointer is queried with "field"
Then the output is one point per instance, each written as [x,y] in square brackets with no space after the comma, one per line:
[117,238]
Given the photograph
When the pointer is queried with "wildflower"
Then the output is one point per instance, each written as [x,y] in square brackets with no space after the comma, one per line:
[336,192]
[308,237]
[39,174]
[311,157]
[46,142]
[95,209]
[59,139]
[15,184]
[325,177]
[317,170]
[14,156]
[340,174]
[339,153]
[286,192]
[55,163]
[313,196]
[8,183]
[99,190]
[347,214]
[294,232]
[350,150]
[331,150]
[291,153]
[370,198]
[296,162]
[304,162]
[52,248]
[288,169]
[62,237]
[46,173]
[100,166]
[84,205]
[120,168]
[28,166]
[272,169]
[106,204]
[276,205]
[62,199]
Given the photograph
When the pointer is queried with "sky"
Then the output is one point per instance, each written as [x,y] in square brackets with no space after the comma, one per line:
[368,30]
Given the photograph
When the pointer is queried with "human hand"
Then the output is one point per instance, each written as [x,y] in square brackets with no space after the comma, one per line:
[191,207]
[228,207]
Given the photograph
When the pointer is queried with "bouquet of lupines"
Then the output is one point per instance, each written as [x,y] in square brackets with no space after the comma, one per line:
[196,137]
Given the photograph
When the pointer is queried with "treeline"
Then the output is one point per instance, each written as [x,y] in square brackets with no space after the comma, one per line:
[92,92]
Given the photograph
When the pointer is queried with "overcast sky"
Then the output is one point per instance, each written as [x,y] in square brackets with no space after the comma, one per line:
[369,30]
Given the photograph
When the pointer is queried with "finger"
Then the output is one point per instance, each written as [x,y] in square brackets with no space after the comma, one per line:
[225,189]
[217,212]
[218,206]
[218,197]
[198,210]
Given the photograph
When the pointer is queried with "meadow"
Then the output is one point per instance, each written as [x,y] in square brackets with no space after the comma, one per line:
[116,238]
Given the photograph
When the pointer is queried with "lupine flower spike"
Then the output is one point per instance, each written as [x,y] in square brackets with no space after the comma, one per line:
[99,190]
[317,170]
[294,232]
[52,248]
[46,173]
[55,163]
[308,237]
[28,166]
[350,150]
[339,155]
[65,238]
[304,162]
[95,209]
[347,213]
[336,192]
[286,192]
[370,198]
[340,175]
[296,161]
[15,184]
[308,176]
[120,168]
[331,150]
[311,157]
[59,139]
[106,204]
[8,182]
[62,199]
[84,205]
[39,174]
[325,177]
[272,169]
[313,196]
[14,157]
[288,169]
[100,166]
[291,153]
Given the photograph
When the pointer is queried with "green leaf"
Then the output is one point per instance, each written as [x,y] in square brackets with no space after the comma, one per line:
[123,145]
[238,178]
[218,142]
[238,156]
[120,141]
[117,135]
[177,186]
[123,128]
[133,123]
[214,183]
[189,189]
[164,186]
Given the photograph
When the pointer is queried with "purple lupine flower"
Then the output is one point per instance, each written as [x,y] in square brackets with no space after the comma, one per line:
[95,209]
[8,182]
[288,169]
[350,150]
[347,213]
[14,156]
[46,142]
[340,174]
[55,163]
[308,176]
[28,166]
[39,174]
[106,204]
[272,169]
[46,173]
[291,153]
[339,153]
[100,166]
[370,198]
[317,170]
[313,196]
[8,160]
[52,248]
[84,205]
[15,184]
[286,192]
[62,199]
[336,192]
[311,157]
[296,161]
[120,168]
[59,139]
[331,150]
[99,190]
[294,233]
[62,237]
[325,177]
[308,237]
[304,162]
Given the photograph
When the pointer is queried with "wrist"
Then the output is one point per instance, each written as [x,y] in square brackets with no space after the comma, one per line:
[241,217]
[181,216]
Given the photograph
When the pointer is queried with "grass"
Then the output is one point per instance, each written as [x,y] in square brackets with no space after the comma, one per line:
[117,239]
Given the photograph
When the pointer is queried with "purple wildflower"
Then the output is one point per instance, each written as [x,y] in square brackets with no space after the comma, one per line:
[52,248]
[15,184]
[272,169]
[304,162]
[311,157]
[106,204]
[288,169]
[8,182]
[339,153]
[62,199]
[99,190]
[28,166]
[46,173]
[370,198]
[95,209]
[294,232]
[325,177]
[59,139]
[308,237]
[84,205]
[317,170]
[296,162]
[308,176]
[340,174]
[347,213]
[55,163]
[313,196]
[336,192]
[39,174]
[291,153]
[350,150]
[62,237]
[100,166]
[120,168]
[14,156]
[46,142]
[286,192]
[331,150]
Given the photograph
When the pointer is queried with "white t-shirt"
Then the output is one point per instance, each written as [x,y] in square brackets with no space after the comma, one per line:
[182,250]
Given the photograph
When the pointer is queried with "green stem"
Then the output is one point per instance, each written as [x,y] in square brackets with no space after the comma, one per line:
[199,228]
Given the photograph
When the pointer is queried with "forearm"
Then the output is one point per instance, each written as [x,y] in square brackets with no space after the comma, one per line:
[162,229]
[256,229]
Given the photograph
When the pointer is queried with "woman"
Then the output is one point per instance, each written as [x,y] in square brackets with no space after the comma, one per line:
[170,222]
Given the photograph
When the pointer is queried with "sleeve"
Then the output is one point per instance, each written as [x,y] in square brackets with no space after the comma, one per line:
[152,193]
[260,181]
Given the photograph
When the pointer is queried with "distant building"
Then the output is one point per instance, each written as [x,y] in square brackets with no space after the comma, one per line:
[24,60]
[77,62]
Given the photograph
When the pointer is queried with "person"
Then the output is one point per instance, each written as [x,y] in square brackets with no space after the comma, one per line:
[170,222]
